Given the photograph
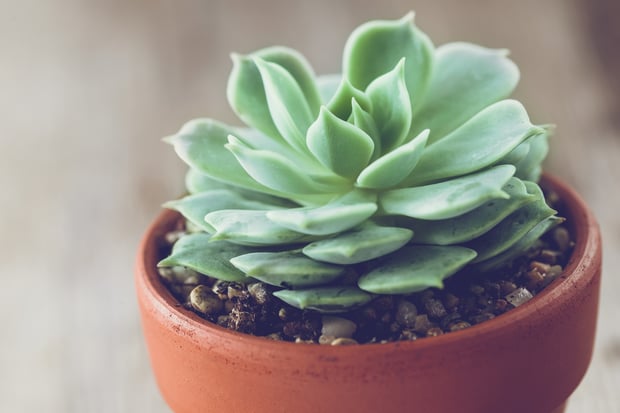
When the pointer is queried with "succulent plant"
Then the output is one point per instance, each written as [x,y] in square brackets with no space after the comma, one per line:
[387,179]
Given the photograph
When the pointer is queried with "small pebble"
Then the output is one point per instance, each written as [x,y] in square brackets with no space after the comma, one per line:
[204,301]
[260,292]
[323,339]
[422,323]
[406,313]
[562,238]
[461,325]
[337,326]
[519,296]
[435,308]
[434,332]
[343,341]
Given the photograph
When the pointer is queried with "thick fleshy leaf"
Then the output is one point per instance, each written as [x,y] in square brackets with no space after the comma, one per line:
[245,227]
[358,245]
[390,169]
[288,106]
[415,268]
[391,107]
[337,216]
[514,227]
[328,86]
[289,269]
[480,142]
[374,48]
[339,145]
[364,121]
[529,167]
[246,92]
[196,207]
[466,78]
[448,199]
[335,299]
[206,256]
[201,144]
[517,154]
[519,248]
[282,174]
[472,224]
[340,103]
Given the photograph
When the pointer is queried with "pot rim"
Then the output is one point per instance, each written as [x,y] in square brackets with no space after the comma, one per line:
[586,253]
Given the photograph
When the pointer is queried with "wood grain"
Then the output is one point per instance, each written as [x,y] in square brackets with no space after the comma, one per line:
[88,89]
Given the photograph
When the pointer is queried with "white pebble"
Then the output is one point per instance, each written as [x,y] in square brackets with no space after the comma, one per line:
[519,296]
[338,327]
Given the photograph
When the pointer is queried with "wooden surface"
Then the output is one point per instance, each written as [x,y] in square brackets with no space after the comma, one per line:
[87,88]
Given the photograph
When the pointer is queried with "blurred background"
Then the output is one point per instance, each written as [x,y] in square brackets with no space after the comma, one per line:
[88,88]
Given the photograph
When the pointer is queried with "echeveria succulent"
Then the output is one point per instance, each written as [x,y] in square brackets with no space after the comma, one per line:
[387,179]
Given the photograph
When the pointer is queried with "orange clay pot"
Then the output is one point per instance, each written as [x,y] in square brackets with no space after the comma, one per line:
[528,360]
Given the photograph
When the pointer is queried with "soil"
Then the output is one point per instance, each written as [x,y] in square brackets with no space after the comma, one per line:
[466,300]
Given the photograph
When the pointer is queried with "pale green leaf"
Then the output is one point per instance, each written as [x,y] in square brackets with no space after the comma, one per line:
[246,91]
[336,216]
[472,224]
[201,144]
[415,268]
[282,174]
[335,299]
[289,269]
[288,106]
[448,199]
[374,48]
[390,169]
[195,207]
[340,103]
[529,167]
[480,142]
[519,248]
[206,256]
[339,145]
[466,78]
[328,85]
[364,121]
[246,227]
[361,244]
[391,107]
[514,227]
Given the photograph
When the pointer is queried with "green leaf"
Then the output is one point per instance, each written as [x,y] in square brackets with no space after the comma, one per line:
[336,299]
[514,227]
[328,86]
[415,268]
[448,199]
[339,215]
[287,269]
[521,247]
[246,91]
[529,168]
[466,78]
[340,103]
[339,145]
[364,121]
[196,207]
[391,107]
[374,48]
[472,224]
[288,106]
[201,144]
[252,228]
[200,253]
[361,244]
[282,174]
[480,142]
[390,169]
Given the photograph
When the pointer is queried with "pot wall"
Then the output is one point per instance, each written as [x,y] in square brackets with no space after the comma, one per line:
[528,360]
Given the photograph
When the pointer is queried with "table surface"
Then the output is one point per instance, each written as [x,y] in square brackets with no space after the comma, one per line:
[88,89]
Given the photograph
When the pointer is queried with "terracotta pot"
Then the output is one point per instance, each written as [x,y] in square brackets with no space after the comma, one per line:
[528,360]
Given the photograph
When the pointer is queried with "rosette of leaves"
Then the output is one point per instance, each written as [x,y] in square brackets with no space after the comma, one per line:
[387,179]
